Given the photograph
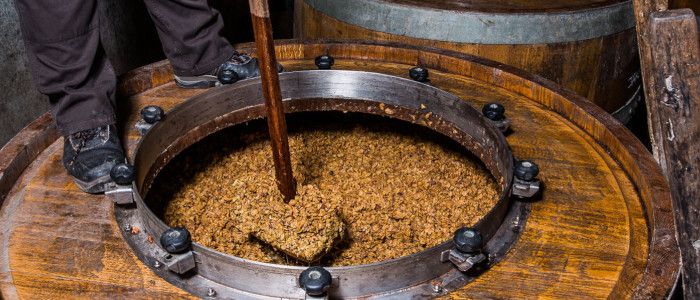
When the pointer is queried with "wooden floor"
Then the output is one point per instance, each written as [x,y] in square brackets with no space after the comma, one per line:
[587,237]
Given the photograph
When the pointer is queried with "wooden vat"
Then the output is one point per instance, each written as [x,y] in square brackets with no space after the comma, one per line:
[603,228]
[588,46]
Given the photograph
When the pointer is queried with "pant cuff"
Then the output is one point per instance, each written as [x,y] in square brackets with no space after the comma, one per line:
[203,68]
[67,128]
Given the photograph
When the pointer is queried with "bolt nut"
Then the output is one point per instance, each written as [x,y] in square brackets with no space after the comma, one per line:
[152,114]
[324,62]
[122,174]
[315,281]
[227,74]
[211,292]
[419,74]
[468,240]
[494,111]
[176,240]
[526,170]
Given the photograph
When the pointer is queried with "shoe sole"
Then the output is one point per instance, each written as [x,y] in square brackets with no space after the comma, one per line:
[197,82]
[96,186]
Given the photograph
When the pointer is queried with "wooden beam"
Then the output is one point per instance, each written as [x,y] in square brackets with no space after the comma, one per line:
[674,102]
[642,10]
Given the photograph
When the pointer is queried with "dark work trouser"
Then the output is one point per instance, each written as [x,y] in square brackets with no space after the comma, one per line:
[69,65]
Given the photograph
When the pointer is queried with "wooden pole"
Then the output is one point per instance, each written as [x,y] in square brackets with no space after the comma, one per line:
[277,125]
[675,69]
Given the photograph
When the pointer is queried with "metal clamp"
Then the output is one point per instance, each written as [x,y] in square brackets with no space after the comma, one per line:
[150,115]
[525,183]
[120,188]
[180,263]
[495,112]
[463,261]
[467,251]
[120,194]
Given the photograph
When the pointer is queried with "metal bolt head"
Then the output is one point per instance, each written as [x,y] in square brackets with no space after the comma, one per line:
[152,114]
[157,264]
[526,170]
[123,174]
[468,240]
[176,240]
[315,281]
[419,74]
[211,292]
[494,111]
[324,62]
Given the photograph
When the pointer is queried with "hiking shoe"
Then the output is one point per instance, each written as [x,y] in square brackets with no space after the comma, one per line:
[237,67]
[89,156]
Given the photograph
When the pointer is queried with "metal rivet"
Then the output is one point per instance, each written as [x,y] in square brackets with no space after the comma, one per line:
[211,292]
[156,264]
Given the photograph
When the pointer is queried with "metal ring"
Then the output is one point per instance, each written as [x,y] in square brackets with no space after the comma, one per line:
[353,91]
[473,27]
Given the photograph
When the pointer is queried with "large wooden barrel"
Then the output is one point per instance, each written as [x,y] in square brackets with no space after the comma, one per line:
[588,46]
[603,227]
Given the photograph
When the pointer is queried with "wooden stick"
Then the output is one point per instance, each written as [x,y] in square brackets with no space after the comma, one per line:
[675,67]
[277,125]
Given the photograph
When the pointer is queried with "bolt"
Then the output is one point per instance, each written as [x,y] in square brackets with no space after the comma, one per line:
[122,174]
[418,74]
[152,114]
[437,287]
[176,240]
[324,62]
[211,292]
[156,264]
[526,170]
[467,240]
[494,111]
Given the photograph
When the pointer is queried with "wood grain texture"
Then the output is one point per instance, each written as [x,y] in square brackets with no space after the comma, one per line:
[604,70]
[676,70]
[276,121]
[604,228]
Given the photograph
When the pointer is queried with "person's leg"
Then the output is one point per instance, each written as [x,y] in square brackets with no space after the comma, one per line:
[69,65]
[67,61]
[190,33]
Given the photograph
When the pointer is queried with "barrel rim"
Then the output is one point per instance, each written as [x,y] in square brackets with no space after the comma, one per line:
[663,263]
[479,27]
[506,8]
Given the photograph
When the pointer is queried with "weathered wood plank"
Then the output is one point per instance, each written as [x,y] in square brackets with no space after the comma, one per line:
[675,70]
[642,11]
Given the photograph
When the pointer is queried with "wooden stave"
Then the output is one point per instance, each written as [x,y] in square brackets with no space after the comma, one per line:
[661,269]
[606,71]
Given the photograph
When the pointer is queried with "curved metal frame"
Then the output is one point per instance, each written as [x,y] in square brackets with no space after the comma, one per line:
[474,27]
[353,91]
